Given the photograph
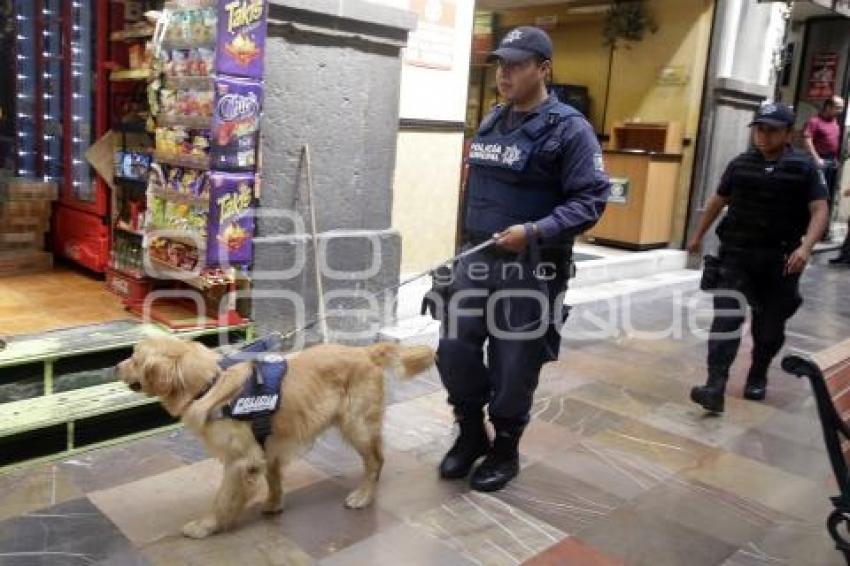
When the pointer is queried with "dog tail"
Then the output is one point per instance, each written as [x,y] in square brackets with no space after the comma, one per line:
[405,361]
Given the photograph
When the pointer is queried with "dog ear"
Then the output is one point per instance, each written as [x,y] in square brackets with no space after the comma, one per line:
[160,375]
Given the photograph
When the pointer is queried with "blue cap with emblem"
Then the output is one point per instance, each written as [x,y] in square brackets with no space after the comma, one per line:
[775,114]
[521,44]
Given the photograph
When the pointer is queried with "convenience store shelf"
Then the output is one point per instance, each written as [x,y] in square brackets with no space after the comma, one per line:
[191,278]
[131,75]
[190,83]
[171,44]
[191,122]
[188,239]
[174,196]
[131,34]
[192,162]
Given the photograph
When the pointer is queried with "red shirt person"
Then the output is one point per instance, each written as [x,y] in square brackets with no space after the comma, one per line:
[822,139]
[822,132]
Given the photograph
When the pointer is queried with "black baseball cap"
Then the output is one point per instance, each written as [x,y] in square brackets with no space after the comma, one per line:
[775,114]
[521,44]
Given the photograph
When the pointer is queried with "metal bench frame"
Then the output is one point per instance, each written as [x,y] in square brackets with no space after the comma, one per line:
[834,430]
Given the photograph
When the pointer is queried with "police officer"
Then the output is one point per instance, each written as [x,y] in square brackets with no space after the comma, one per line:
[536,179]
[777,211]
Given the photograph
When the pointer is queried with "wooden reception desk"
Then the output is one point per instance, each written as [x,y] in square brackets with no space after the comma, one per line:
[640,209]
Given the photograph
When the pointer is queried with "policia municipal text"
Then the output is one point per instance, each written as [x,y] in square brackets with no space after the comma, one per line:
[536,180]
[777,210]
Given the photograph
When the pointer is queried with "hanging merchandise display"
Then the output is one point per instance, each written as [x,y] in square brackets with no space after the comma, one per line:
[206,100]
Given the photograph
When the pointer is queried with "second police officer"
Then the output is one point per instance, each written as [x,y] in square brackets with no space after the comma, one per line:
[536,180]
[777,210]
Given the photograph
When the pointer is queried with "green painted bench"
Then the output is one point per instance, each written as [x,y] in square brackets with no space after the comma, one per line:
[60,423]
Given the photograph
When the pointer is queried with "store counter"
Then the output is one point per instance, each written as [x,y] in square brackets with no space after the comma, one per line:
[640,209]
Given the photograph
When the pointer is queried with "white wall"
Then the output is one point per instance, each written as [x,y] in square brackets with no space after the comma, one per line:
[437,94]
[749,54]
[428,163]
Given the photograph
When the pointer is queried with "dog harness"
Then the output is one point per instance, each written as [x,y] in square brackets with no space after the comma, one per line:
[260,396]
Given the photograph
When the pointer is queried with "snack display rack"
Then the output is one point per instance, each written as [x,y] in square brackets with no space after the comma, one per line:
[206,99]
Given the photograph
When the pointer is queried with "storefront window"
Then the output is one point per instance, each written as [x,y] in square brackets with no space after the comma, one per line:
[81,100]
[25,88]
[52,91]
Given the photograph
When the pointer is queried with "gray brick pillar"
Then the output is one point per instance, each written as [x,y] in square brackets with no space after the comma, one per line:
[333,71]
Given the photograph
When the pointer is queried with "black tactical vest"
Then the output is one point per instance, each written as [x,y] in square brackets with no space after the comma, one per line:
[769,202]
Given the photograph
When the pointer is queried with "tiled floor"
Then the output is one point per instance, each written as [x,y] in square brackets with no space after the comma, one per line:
[60,298]
[618,468]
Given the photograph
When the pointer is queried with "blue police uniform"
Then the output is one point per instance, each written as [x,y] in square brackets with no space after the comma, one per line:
[546,171]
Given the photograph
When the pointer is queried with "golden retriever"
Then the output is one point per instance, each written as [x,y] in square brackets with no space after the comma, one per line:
[326,385]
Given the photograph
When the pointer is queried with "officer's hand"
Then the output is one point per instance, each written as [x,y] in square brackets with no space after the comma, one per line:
[846,192]
[820,163]
[695,246]
[513,239]
[797,261]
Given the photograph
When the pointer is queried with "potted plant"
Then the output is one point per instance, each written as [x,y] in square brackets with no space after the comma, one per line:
[628,20]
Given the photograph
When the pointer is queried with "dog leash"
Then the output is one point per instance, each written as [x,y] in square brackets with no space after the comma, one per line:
[466,253]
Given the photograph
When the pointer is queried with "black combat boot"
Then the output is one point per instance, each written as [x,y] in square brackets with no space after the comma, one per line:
[502,463]
[471,444]
[756,387]
[711,395]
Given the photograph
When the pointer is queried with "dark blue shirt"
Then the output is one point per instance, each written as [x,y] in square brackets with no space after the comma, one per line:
[571,148]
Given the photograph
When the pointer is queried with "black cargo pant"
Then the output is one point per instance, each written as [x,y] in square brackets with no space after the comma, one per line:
[514,306]
[830,177]
[755,277]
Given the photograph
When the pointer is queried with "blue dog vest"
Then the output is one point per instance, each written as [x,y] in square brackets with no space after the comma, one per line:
[260,396]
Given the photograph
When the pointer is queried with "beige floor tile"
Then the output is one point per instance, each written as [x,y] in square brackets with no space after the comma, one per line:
[771,487]
[158,506]
[663,449]
[27,489]
[488,530]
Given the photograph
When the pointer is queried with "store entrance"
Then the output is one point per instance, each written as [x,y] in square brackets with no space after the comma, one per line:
[114,186]
[128,212]
[54,209]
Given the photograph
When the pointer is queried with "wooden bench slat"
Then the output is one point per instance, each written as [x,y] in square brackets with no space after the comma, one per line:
[838,381]
[827,359]
[842,404]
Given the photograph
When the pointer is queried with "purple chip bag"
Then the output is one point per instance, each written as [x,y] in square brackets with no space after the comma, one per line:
[236,123]
[241,43]
[231,220]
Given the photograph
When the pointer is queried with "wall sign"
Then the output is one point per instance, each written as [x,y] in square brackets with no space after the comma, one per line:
[432,43]
[619,190]
[822,77]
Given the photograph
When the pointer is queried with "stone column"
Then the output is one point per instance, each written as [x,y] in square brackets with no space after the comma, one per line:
[734,88]
[333,72]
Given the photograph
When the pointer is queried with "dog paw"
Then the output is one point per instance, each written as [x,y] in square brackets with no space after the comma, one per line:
[273,507]
[198,529]
[359,499]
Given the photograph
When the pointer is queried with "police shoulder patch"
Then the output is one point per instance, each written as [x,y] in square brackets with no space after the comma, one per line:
[598,162]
